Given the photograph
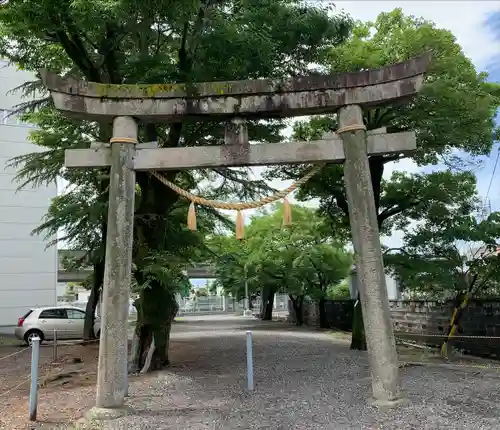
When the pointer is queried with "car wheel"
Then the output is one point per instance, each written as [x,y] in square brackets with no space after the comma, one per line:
[28,337]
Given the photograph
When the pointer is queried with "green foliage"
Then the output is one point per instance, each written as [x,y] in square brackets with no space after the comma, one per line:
[452,252]
[202,292]
[300,260]
[339,292]
[154,42]
[407,197]
[319,269]
[453,117]
[455,108]
[159,267]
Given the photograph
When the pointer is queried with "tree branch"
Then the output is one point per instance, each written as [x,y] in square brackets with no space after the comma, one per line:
[108,49]
[394,210]
[77,51]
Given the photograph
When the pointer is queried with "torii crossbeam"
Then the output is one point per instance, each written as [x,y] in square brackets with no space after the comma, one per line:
[128,105]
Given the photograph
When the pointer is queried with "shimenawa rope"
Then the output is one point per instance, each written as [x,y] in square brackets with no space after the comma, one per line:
[353,127]
[287,212]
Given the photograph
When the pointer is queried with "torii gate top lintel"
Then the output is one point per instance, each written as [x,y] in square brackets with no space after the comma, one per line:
[248,98]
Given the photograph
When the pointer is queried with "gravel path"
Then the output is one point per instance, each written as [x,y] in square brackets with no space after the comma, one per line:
[303,380]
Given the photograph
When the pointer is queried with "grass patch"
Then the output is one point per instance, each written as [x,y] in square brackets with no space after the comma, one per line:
[340,335]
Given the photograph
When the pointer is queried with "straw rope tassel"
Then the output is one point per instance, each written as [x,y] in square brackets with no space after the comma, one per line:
[287,213]
[240,226]
[191,221]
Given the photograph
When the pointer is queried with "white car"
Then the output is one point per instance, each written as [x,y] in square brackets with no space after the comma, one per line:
[65,322]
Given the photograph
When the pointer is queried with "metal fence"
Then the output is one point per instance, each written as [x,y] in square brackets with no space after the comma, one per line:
[207,305]
[224,304]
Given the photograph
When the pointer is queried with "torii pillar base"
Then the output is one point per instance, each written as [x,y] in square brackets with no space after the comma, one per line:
[104,414]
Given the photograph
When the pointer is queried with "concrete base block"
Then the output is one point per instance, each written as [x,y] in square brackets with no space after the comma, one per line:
[247,313]
[390,404]
[105,414]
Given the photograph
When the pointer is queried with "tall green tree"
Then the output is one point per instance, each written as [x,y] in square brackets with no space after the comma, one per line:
[453,117]
[451,251]
[301,260]
[156,42]
[451,254]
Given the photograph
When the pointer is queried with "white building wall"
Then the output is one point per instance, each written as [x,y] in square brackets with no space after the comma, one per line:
[392,285]
[28,271]
[392,288]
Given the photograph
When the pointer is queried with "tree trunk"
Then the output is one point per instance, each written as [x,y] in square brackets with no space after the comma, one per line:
[323,323]
[267,302]
[95,291]
[90,308]
[156,310]
[297,303]
[358,339]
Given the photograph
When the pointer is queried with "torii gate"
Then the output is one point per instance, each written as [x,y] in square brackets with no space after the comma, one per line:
[345,93]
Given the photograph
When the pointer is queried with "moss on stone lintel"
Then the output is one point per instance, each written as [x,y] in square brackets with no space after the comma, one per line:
[154,90]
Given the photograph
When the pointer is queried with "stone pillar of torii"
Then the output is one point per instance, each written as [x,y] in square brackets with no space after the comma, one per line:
[344,93]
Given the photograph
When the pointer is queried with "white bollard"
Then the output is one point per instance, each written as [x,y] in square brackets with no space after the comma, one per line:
[35,356]
[249,361]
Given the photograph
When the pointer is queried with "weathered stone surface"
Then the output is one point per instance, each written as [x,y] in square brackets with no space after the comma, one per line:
[370,269]
[251,98]
[112,367]
[102,414]
[413,67]
[327,150]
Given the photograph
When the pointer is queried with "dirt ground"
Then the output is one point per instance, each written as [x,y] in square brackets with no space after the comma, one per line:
[74,369]
[67,383]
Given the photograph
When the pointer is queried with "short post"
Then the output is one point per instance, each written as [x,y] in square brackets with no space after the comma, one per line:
[111,375]
[369,264]
[249,361]
[35,357]
[247,311]
[55,346]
